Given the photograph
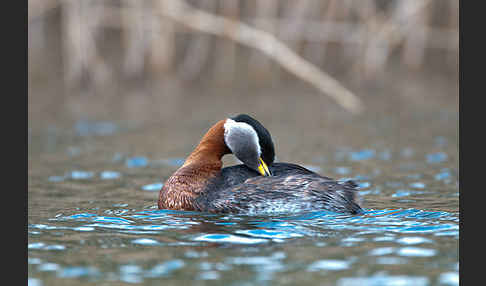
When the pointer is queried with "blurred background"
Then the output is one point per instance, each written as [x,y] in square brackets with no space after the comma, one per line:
[129,64]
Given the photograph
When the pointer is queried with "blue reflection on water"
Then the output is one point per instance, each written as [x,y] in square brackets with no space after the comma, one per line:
[383,279]
[135,162]
[78,271]
[438,157]
[175,162]
[109,175]
[80,175]
[155,187]
[443,175]
[164,269]
[405,193]
[237,229]
[364,154]
[100,128]
[329,265]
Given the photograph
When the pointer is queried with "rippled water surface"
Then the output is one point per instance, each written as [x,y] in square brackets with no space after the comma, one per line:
[94,182]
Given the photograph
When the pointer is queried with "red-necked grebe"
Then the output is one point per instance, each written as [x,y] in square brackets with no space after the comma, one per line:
[258,186]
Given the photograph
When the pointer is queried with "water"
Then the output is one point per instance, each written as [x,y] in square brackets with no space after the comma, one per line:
[146,246]
[93,188]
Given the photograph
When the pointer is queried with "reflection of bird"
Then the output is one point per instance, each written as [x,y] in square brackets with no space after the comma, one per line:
[255,187]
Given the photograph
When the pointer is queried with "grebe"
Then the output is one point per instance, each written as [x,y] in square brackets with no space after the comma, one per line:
[258,186]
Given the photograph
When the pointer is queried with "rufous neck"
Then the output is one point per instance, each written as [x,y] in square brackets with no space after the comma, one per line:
[211,148]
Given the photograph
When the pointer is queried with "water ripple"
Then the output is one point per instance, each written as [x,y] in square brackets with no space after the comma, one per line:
[255,230]
[382,279]
[136,162]
[416,251]
[332,265]
[155,187]
[228,238]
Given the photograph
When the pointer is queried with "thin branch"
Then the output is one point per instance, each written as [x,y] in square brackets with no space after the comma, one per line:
[237,31]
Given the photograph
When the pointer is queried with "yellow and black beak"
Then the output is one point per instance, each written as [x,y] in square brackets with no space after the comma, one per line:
[263,168]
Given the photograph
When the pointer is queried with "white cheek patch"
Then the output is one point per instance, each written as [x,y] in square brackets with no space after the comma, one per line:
[240,135]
